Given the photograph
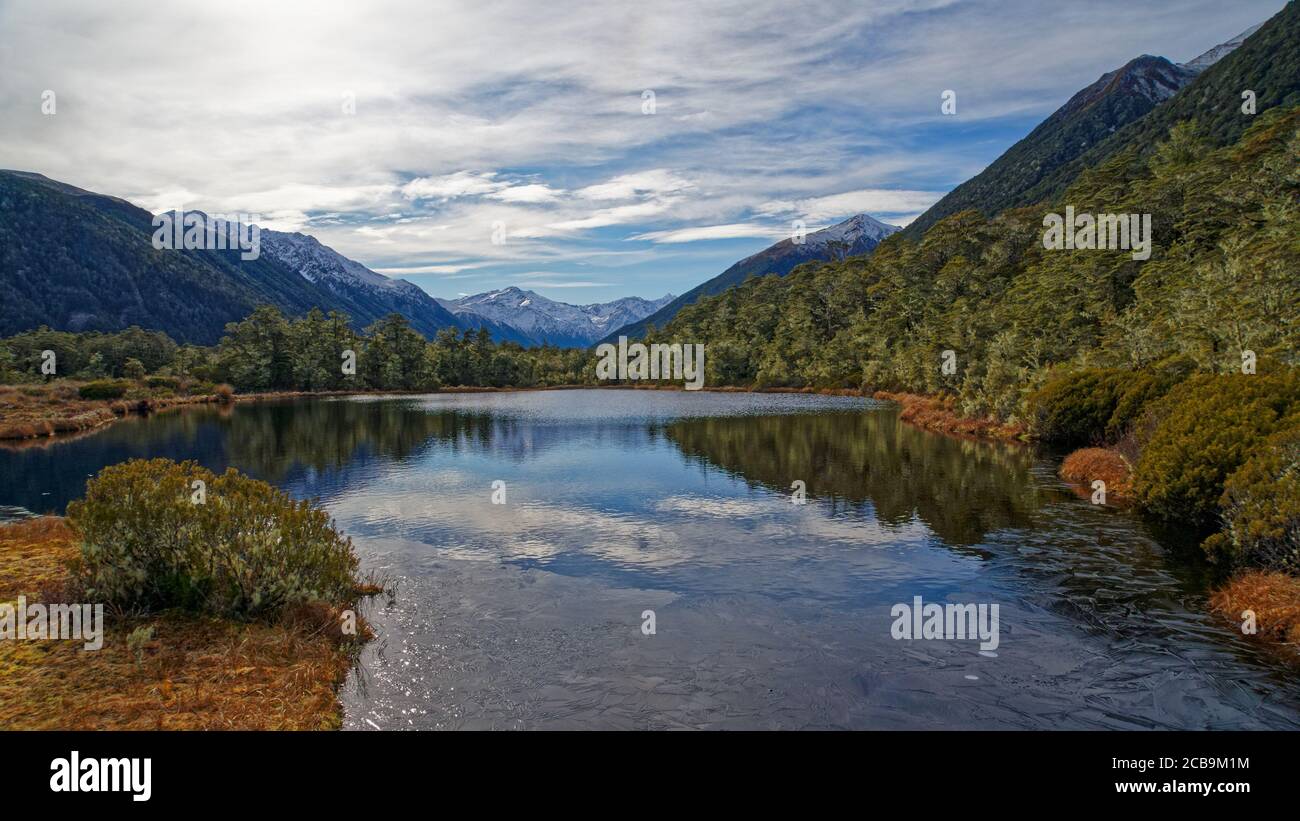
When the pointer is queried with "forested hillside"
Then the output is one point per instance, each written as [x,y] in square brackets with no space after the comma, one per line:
[1127,110]
[1222,279]
[78,261]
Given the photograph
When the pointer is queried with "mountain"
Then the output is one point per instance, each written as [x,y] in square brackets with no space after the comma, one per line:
[1115,99]
[369,294]
[80,261]
[1267,63]
[539,320]
[1214,55]
[1134,107]
[856,235]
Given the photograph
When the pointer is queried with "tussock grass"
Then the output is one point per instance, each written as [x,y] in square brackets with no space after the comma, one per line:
[1275,598]
[1088,464]
[195,672]
[40,411]
[940,415]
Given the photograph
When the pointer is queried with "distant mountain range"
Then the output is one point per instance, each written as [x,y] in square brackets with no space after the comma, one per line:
[79,261]
[75,260]
[1044,162]
[540,320]
[856,235]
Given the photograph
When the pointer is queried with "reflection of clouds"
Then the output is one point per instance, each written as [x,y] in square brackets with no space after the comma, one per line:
[469,526]
[595,507]
[706,506]
[776,516]
[747,537]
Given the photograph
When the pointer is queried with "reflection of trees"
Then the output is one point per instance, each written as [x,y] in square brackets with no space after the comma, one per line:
[961,489]
[271,439]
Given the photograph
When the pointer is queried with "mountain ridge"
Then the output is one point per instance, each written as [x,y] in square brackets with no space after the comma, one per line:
[1040,165]
[541,320]
[859,234]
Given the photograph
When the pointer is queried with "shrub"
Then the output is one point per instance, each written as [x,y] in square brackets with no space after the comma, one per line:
[1098,406]
[1261,509]
[224,393]
[1203,431]
[104,389]
[163,383]
[1075,408]
[246,549]
[134,370]
[1137,394]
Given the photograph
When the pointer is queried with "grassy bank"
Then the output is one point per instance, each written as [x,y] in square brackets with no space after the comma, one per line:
[40,411]
[940,415]
[167,668]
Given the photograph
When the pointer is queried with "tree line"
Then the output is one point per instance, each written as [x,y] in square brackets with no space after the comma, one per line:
[271,352]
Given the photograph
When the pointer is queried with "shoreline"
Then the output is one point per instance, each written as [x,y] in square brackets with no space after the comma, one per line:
[164,671]
[930,413]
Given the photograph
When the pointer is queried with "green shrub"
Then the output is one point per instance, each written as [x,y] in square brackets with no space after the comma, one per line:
[163,383]
[1076,408]
[1143,389]
[149,543]
[134,370]
[1204,430]
[104,389]
[1261,509]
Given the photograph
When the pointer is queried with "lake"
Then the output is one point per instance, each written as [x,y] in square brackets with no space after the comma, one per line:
[650,569]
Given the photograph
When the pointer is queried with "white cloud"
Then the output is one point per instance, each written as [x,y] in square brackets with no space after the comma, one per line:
[867,200]
[658,182]
[707,232]
[450,186]
[531,193]
[530,114]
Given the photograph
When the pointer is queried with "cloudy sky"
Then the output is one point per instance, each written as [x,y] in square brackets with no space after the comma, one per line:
[618,148]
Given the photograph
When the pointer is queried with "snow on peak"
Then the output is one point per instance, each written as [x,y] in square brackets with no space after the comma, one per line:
[1214,55]
[852,230]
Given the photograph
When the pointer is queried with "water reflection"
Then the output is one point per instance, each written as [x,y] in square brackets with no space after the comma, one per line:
[960,489]
[769,614]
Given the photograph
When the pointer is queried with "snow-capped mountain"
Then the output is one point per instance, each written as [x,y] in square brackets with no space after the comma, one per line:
[855,236]
[1039,166]
[1220,51]
[354,283]
[540,320]
[857,232]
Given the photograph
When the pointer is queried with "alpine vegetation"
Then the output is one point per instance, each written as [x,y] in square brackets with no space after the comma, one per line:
[1110,232]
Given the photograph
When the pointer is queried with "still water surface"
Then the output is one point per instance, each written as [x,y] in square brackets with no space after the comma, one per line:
[767,614]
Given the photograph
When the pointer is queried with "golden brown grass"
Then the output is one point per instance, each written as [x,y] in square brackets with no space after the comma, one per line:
[39,411]
[1274,597]
[195,672]
[941,416]
[1089,464]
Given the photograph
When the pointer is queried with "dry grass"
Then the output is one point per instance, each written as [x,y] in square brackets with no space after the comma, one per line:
[1088,464]
[941,416]
[195,673]
[1275,598]
[40,411]
[34,556]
